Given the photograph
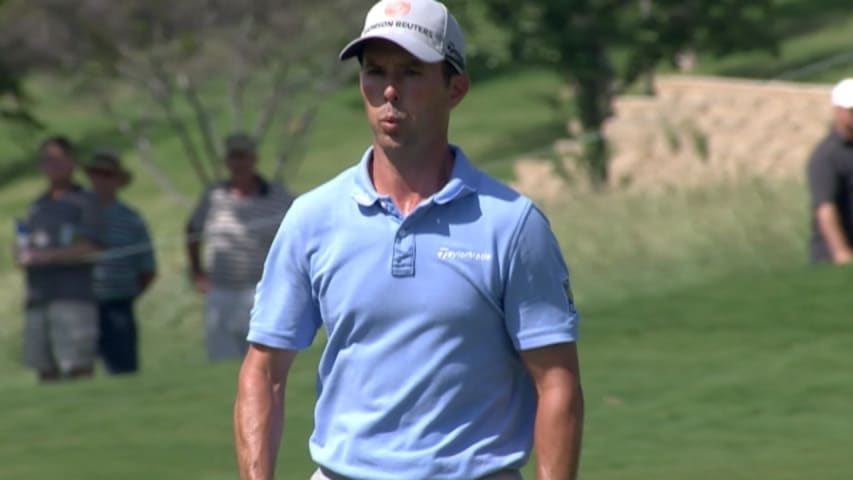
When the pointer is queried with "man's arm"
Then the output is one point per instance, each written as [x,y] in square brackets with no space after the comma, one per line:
[829,224]
[81,252]
[259,410]
[559,416]
[199,278]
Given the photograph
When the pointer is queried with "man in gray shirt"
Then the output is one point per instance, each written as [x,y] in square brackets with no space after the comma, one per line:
[830,176]
[61,329]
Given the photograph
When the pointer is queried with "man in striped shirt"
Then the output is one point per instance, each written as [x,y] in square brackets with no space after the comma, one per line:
[124,270]
[228,236]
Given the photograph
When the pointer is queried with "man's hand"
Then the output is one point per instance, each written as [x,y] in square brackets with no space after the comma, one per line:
[843,257]
[33,257]
[200,283]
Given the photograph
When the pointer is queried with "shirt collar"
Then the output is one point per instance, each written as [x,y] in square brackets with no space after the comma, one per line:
[263,186]
[463,180]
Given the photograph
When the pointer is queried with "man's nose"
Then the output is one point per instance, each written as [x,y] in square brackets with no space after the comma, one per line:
[391,92]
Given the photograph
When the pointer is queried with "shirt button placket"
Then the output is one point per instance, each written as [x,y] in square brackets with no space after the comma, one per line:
[403,263]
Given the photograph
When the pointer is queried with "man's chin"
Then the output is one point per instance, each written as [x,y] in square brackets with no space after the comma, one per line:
[388,142]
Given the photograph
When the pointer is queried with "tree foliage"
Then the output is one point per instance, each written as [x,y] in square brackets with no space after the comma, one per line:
[14,103]
[264,64]
[603,46]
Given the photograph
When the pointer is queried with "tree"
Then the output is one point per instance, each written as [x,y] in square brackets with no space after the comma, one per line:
[14,103]
[583,39]
[266,65]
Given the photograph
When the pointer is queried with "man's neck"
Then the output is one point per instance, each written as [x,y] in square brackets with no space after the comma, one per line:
[842,133]
[410,176]
[245,187]
[106,200]
[60,188]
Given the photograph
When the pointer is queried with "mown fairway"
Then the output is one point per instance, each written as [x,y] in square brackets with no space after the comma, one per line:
[740,378]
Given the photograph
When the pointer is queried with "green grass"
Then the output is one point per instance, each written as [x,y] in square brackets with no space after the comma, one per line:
[811,31]
[738,378]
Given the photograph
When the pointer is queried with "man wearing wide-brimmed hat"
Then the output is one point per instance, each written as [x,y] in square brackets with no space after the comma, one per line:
[124,270]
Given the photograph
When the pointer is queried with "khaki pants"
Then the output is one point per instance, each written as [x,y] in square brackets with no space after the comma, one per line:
[502,475]
[227,315]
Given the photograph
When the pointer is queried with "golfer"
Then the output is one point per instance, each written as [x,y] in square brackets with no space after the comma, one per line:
[443,293]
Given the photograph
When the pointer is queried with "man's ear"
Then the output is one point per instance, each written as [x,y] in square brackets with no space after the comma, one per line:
[459,85]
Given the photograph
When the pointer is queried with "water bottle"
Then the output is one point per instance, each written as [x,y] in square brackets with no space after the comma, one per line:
[22,236]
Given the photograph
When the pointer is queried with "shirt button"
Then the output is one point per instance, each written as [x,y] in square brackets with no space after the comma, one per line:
[403,232]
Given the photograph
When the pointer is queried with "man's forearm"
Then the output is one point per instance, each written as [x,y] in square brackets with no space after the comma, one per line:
[83,252]
[559,430]
[829,223]
[258,423]
[194,255]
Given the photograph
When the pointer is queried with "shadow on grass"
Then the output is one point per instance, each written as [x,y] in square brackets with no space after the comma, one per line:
[532,138]
[775,67]
[803,16]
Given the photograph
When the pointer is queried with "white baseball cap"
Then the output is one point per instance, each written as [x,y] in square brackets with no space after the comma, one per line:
[425,28]
[842,94]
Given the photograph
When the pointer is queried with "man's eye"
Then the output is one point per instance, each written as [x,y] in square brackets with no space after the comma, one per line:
[413,71]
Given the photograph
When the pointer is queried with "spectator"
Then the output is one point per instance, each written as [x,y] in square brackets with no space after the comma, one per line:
[830,175]
[234,223]
[124,271]
[61,325]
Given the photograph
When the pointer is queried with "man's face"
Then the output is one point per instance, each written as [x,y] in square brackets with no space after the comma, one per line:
[844,122]
[56,164]
[241,165]
[105,182]
[407,101]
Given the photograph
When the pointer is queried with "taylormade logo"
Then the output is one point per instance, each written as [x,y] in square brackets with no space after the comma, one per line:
[448,254]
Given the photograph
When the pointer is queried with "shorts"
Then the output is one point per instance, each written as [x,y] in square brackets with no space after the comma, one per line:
[227,315]
[61,336]
[323,474]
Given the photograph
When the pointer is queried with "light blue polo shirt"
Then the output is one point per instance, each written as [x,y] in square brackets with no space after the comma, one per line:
[425,315]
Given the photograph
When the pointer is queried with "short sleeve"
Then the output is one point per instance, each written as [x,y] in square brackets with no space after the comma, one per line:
[823,179]
[199,215]
[538,305]
[286,314]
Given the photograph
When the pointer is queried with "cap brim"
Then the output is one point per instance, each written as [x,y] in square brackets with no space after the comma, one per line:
[423,52]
